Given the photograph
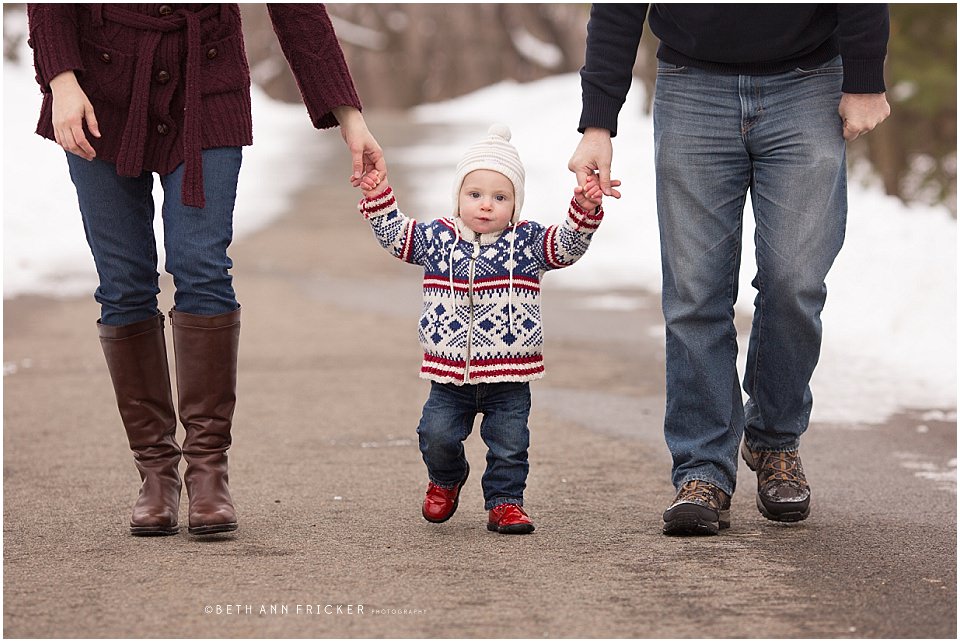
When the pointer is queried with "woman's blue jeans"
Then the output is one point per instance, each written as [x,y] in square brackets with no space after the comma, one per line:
[118,215]
[718,137]
[447,420]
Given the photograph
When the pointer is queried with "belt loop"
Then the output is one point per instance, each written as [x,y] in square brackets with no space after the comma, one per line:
[97,11]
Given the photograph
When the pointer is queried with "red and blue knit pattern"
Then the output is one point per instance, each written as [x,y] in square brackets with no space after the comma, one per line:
[479,324]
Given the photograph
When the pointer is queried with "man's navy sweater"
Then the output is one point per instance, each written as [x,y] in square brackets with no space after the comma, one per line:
[753,39]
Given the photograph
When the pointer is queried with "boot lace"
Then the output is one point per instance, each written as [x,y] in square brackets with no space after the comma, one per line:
[782,466]
[700,492]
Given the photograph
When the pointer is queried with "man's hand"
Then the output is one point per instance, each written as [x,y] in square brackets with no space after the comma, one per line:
[861,113]
[366,152]
[71,108]
[594,154]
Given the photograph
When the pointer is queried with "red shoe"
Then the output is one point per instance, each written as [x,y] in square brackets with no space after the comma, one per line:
[441,503]
[509,519]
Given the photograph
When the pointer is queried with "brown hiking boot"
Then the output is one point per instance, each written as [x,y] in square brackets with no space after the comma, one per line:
[783,494]
[699,509]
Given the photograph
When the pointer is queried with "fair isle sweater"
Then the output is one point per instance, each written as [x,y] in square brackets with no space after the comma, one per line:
[481,318]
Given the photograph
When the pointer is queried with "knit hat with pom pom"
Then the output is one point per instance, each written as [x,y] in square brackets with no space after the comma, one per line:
[495,153]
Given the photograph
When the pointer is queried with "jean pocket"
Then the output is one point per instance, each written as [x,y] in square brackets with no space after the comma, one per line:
[830,67]
[667,68]
[820,71]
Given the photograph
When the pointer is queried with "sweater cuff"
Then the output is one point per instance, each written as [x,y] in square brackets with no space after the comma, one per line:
[327,87]
[56,49]
[582,220]
[382,203]
[340,93]
[600,111]
[863,76]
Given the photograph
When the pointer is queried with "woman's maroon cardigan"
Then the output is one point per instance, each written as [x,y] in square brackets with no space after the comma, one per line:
[169,80]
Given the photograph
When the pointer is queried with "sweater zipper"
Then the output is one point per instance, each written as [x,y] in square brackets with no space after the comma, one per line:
[473,262]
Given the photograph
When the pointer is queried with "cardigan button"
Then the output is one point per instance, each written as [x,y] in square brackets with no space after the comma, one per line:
[162,129]
[212,53]
[163,76]
[165,9]
[105,57]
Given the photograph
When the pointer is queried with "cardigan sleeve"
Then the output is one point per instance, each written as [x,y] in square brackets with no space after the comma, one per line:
[560,246]
[55,39]
[310,46]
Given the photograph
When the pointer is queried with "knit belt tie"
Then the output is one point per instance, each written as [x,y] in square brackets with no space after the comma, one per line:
[133,143]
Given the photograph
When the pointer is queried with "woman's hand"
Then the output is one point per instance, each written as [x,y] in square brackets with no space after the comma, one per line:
[366,152]
[71,108]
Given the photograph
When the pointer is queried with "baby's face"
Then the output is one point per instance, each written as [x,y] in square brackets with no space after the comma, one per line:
[486,201]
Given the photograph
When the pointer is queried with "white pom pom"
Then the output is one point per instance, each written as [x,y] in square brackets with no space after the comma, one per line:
[501,130]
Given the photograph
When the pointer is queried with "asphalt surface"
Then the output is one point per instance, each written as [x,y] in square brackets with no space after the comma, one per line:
[328,480]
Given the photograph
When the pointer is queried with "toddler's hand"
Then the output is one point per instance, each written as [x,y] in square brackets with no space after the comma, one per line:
[590,196]
[370,183]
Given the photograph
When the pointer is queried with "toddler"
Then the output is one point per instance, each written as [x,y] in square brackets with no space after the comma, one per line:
[480,325]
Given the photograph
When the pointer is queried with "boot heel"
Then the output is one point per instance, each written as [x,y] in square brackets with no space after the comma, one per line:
[213,529]
[154,531]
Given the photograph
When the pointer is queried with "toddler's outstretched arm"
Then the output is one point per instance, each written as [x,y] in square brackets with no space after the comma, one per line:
[563,245]
[397,233]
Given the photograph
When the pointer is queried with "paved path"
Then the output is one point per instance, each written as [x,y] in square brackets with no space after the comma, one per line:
[327,478]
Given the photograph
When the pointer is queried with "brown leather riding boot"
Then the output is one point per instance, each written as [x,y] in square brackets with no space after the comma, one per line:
[206,351]
[136,356]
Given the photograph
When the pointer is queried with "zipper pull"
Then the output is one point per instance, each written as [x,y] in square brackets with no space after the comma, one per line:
[476,250]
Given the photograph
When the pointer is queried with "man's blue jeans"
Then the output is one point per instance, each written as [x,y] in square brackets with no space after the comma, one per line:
[118,215]
[718,136]
[447,420]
